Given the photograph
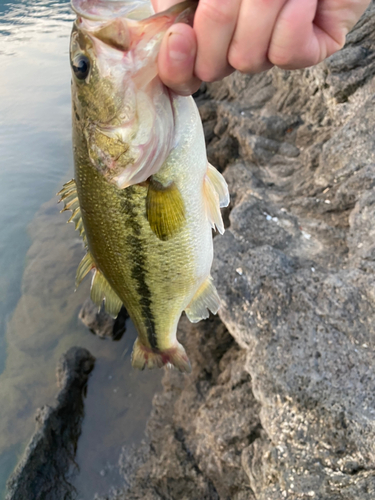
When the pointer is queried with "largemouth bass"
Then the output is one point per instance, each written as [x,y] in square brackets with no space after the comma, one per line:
[144,197]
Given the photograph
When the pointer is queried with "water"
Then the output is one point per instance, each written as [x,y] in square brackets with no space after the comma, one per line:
[39,254]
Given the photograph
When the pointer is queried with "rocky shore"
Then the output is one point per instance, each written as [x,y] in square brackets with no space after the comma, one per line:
[280,403]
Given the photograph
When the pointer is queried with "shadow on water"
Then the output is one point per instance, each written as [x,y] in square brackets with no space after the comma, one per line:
[39,254]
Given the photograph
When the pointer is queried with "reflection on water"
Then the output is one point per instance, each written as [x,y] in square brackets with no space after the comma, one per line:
[38,311]
[34,127]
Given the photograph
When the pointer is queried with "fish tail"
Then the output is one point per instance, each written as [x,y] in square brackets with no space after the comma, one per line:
[146,357]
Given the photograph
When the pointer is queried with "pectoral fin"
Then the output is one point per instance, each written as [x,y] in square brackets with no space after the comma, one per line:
[165,209]
[102,290]
[205,299]
[216,195]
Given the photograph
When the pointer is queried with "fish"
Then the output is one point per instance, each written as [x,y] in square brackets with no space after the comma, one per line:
[144,197]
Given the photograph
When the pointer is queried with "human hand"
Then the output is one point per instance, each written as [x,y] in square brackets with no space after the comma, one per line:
[252,36]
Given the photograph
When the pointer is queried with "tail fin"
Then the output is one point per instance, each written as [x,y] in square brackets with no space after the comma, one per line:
[145,357]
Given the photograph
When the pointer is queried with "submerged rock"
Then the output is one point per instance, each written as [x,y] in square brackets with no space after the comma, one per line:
[48,462]
[288,410]
[101,323]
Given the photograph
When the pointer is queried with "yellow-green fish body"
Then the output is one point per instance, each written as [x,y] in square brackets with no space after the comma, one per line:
[144,198]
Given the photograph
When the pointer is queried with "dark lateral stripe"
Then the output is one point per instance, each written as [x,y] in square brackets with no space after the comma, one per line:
[139,265]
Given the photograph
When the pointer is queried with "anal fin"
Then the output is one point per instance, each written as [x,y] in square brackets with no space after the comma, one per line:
[165,209]
[206,299]
[216,195]
[101,291]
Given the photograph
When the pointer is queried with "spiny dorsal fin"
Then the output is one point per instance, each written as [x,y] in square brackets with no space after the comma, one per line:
[216,195]
[69,196]
[102,290]
[165,209]
[206,298]
[219,184]
[85,266]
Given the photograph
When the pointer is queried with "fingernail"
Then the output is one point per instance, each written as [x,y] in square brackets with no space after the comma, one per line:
[180,48]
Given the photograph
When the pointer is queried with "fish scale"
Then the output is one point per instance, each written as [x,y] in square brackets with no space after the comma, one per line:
[148,234]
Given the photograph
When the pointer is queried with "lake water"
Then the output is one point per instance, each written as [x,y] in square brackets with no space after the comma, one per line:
[39,254]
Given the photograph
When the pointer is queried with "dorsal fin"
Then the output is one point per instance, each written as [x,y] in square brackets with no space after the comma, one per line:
[85,266]
[100,288]
[216,195]
[101,291]
[69,196]
[219,184]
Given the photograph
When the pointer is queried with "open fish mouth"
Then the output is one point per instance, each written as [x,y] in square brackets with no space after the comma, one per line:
[129,130]
[101,10]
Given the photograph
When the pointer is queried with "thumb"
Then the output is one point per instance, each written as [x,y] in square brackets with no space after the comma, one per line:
[176,59]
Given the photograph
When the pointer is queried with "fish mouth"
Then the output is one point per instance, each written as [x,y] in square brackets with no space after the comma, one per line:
[105,10]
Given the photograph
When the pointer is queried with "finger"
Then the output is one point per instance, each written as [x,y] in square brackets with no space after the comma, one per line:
[249,47]
[296,41]
[214,25]
[337,17]
[176,60]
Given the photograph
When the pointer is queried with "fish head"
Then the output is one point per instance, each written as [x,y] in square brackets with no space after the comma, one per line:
[120,107]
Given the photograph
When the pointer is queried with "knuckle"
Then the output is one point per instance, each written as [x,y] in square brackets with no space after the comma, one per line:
[292,61]
[219,12]
[293,57]
[245,62]
[207,75]
[280,59]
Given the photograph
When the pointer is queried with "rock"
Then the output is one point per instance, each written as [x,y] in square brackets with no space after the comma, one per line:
[101,323]
[288,411]
[196,433]
[48,462]
[295,271]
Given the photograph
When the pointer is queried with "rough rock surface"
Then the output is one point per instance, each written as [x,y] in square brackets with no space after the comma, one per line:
[288,411]
[48,462]
[196,434]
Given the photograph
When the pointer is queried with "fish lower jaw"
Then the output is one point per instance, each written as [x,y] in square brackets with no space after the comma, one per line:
[147,357]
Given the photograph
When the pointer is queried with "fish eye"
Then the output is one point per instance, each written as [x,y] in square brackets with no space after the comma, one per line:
[81,66]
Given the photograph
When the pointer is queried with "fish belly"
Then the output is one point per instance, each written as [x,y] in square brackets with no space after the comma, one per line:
[155,279]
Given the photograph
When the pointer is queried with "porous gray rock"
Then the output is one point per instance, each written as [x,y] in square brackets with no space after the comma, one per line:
[196,434]
[289,410]
[48,463]
[295,271]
